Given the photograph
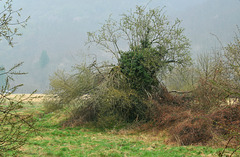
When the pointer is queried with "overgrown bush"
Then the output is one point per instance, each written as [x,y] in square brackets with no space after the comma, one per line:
[52,104]
[208,97]
[167,115]
[226,126]
[121,93]
[133,89]
[181,79]
[67,88]
[112,103]
[189,126]
[226,121]
[210,71]
[185,126]
[70,86]
[193,130]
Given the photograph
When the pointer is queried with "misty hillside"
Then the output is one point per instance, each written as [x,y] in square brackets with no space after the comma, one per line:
[57,31]
[218,17]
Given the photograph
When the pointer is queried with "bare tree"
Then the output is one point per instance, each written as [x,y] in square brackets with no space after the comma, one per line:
[15,127]
[10,21]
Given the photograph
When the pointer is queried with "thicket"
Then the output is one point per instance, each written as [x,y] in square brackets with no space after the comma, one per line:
[101,96]
[153,82]
[211,116]
[121,93]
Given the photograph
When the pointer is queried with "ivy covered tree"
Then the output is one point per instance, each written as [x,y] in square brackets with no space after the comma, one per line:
[154,45]
[120,93]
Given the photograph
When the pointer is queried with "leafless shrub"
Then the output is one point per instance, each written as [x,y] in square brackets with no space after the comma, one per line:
[15,127]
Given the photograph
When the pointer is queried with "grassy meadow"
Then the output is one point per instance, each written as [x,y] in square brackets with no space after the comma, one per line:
[53,140]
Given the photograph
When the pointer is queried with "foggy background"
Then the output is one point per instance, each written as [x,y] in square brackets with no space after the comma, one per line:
[57,31]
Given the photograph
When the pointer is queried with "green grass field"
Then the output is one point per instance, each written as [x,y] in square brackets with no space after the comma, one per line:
[52,140]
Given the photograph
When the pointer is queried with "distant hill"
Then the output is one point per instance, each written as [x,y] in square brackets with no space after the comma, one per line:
[219,17]
[60,27]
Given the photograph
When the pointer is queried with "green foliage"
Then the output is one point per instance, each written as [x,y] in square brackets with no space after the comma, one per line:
[138,76]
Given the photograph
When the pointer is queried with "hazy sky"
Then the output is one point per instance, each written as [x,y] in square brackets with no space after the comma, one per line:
[60,27]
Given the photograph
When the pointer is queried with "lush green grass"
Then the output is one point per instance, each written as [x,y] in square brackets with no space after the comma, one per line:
[52,140]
